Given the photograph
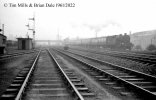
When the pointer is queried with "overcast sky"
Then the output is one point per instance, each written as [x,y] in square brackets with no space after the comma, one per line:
[88,17]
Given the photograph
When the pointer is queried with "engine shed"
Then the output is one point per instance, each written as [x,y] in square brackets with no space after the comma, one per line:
[3,39]
[25,43]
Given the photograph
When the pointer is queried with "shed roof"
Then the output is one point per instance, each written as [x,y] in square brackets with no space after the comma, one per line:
[24,38]
[2,35]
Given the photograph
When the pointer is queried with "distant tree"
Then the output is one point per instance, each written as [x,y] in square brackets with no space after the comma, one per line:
[151,47]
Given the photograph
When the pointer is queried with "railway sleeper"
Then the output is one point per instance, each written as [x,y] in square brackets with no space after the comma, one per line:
[73,77]
[48,91]
[111,83]
[49,96]
[47,81]
[150,88]
[88,94]
[45,78]
[93,73]
[126,93]
[118,87]
[99,76]
[8,96]
[143,83]
[82,89]
[18,81]
[127,76]
[80,84]
[47,85]
[10,93]
[134,79]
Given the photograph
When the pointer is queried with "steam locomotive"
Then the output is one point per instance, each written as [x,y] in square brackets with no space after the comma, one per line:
[120,42]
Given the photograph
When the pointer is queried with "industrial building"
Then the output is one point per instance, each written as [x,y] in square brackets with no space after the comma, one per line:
[25,43]
[2,43]
[143,39]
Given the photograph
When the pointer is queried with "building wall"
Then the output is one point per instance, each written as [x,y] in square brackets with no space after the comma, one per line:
[2,44]
[144,40]
[28,44]
[20,44]
[2,40]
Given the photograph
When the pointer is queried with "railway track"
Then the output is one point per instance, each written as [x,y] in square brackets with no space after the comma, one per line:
[146,52]
[17,87]
[47,80]
[123,80]
[143,58]
[10,55]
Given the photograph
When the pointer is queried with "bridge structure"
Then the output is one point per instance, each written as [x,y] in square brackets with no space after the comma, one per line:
[49,42]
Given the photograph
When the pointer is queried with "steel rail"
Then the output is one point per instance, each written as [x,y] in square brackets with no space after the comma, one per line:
[76,92]
[129,56]
[137,88]
[114,65]
[124,55]
[22,89]
[117,66]
[132,53]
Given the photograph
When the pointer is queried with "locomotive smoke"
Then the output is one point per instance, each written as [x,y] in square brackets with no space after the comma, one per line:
[99,27]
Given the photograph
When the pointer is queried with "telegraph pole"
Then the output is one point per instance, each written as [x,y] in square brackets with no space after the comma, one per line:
[33,19]
[34,29]
[3,29]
